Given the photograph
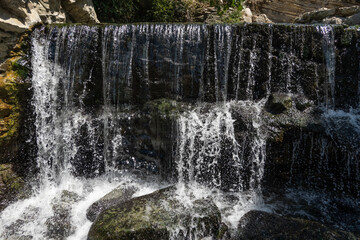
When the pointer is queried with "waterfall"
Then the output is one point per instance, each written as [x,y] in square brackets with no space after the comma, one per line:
[330,62]
[183,104]
[210,153]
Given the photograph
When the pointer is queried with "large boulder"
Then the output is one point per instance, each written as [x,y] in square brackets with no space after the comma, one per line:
[158,216]
[263,225]
[115,197]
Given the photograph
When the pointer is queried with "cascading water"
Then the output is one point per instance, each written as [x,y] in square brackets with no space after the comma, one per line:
[330,61]
[209,151]
[72,141]
[104,97]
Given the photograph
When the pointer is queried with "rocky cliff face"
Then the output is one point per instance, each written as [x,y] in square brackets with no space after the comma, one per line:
[16,16]
[283,11]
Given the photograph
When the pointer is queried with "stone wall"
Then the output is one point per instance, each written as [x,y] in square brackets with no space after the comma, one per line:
[285,11]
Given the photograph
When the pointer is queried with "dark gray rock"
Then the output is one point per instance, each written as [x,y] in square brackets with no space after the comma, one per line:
[279,103]
[115,197]
[158,215]
[263,225]
[59,225]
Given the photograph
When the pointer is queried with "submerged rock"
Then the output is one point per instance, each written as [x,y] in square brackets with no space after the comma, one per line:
[158,215]
[263,225]
[115,197]
[59,225]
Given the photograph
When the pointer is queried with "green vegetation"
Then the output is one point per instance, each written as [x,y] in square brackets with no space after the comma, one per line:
[169,11]
[234,16]
[19,70]
[119,11]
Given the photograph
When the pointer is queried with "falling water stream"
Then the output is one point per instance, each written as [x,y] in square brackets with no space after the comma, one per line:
[89,80]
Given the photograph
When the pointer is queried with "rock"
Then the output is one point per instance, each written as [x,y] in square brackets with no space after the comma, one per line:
[333,20]
[115,197]
[331,16]
[157,216]
[316,15]
[247,15]
[302,103]
[20,238]
[261,18]
[286,11]
[263,225]
[352,20]
[59,225]
[11,185]
[10,109]
[278,103]
[16,16]
[80,10]
[5,109]
[347,11]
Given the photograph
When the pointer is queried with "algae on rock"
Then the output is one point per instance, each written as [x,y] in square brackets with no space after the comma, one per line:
[157,216]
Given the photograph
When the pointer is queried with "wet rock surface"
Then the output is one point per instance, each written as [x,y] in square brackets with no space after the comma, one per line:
[59,225]
[117,196]
[262,225]
[157,216]
[11,186]
[278,103]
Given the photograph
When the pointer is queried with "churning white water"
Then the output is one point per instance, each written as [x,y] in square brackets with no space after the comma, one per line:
[57,208]
[211,158]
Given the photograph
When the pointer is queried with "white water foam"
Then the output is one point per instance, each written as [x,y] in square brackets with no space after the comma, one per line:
[205,140]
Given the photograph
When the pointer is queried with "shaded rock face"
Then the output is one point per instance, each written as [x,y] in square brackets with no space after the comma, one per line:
[157,216]
[16,111]
[18,15]
[286,11]
[262,225]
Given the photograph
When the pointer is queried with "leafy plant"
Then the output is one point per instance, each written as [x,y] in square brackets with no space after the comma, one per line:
[20,70]
[169,11]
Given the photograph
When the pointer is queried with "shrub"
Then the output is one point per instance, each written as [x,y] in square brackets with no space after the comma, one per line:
[169,11]
[116,10]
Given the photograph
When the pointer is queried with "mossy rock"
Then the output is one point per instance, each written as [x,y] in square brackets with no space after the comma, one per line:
[157,216]
[279,103]
[12,86]
[10,107]
[164,108]
[263,225]
[11,185]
